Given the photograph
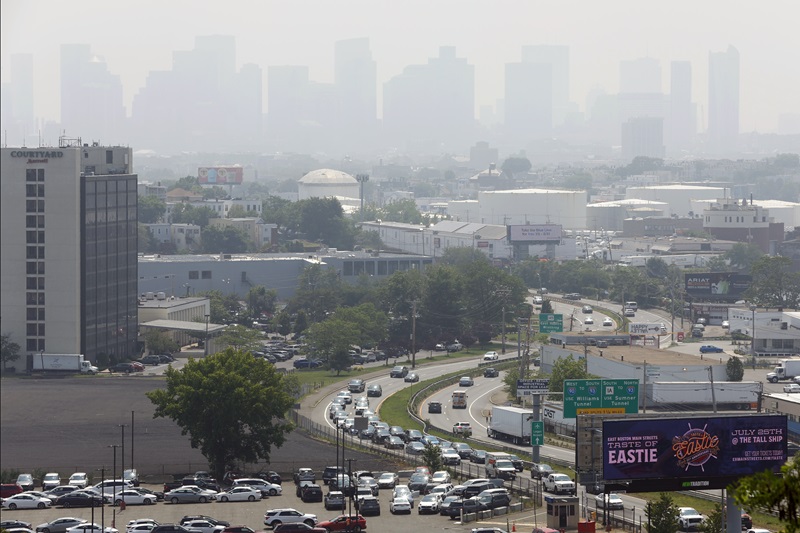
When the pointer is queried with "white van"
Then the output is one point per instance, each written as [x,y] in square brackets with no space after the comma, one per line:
[632,305]
[110,487]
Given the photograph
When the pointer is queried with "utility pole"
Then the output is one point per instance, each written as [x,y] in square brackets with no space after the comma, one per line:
[713,396]
[413,335]
[504,330]
[122,460]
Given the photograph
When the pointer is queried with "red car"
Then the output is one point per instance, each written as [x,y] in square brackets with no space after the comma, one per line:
[344,523]
[9,489]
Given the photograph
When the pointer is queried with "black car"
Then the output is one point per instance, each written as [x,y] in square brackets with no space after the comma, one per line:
[158,494]
[367,433]
[80,499]
[271,476]
[169,528]
[331,472]
[165,358]
[418,481]
[517,462]
[127,368]
[491,373]
[311,493]
[374,391]
[151,359]
[9,524]
[478,456]
[434,407]
[399,372]
[455,508]
[369,507]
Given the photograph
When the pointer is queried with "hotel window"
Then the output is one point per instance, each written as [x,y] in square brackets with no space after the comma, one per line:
[30,190]
[109,157]
[30,330]
[31,345]
[30,174]
[40,174]
[30,313]
[206,274]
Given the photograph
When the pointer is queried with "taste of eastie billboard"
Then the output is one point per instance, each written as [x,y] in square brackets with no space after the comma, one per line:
[689,448]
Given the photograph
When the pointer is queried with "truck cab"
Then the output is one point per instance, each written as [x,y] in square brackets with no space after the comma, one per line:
[459,399]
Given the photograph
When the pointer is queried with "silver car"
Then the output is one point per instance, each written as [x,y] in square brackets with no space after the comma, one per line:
[190,494]
[60,525]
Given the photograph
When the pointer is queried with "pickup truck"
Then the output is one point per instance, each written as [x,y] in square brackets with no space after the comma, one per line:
[559,484]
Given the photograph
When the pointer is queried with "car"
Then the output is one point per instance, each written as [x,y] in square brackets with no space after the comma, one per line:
[79,499]
[169,528]
[276,517]
[165,358]
[306,363]
[418,481]
[124,368]
[613,500]
[26,501]
[304,474]
[411,377]
[151,359]
[454,347]
[488,530]
[344,522]
[189,518]
[708,348]
[478,456]
[429,504]
[558,484]
[440,477]
[311,493]
[269,475]
[491,372]
[697,334]
[357,385]
[335,500]
[369,483]
[394,442]
[629,312]
[347,396]
[145,527]
[450,457]
[544,530]
[414,434]
[463,449]
[491,356]
[190,494]
[55,492]
[15,524]
[370,506]
[403,491]
[266,488]
[587,309]
[399,372]
[588,321]
[456,507]
[242,493]
[434,407]
[388,480]
[91,528]
[79,480]
[202,526]
[494,498]
[572,296]
[725,324]
[538,300]
[374,391]
[689,519]
[400,505]
[331,472]
[25,481]
[462,428]
[758,530]
[59,525]
[51,480]
[299,527]
[747,521]
[466,381]
[791,388]
[608,322]
[237,529]
[541,470]
[9,489]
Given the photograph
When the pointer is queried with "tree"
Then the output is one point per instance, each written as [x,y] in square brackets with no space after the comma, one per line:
[776,283]
[238,211]
[714,522]
[242,338]
[775,493]
[432,457]
[231,404]
[261,300]
[404,210]
[717,264]
[230,240]
[151,209]
[567,368]
[734,369]
[331,340]
[742,256]
[159,341]
[147,242]
[547,307]
[9,351]
[514,165]
[371,323]
[662,515]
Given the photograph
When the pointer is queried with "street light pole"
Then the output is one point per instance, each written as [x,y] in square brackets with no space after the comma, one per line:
[122,462]
[205,344]
[753,333]
[362,179]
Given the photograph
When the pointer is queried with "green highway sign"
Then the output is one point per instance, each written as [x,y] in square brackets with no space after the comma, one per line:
[551,323]
[600,396]
[537,433]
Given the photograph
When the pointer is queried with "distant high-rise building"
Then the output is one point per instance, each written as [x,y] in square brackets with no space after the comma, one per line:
[643,137]
[69,237]
[528,102]
[640,76]
[17,101]
[681,121]
[557,57]
[356,79]
[91,97]
[723,100]
[431,105]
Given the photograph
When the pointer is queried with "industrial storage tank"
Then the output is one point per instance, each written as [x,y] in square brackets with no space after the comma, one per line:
[610,215]
[679,197]
[534,206]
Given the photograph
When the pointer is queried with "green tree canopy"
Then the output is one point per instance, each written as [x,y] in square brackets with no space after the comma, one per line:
[231,404]
[228,239]
[261,300]
[567,368]
[319,292]
[734,369]
[776,283]
[776,493]
[188,214]
[371,323]
[662,515]
[514,165]
[404,210]
[159,341]
[151,209]
[742,256]
[331,341]
[432,457]
[242,338]
[9,350]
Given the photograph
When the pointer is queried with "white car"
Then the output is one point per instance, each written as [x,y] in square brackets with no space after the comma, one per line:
[240,494]
[614,501]
[538,300]
[257,483]
[24,500]
[588,320]
[50,481]
[430,503]
[608,322]
[276,517]
[202,526]
[134,497]
[78,479]
[689,518]
[791,387]
[491,356]
[441,476]
[91,528]
[402,491]
[400,505]
[140,525]
[346,396]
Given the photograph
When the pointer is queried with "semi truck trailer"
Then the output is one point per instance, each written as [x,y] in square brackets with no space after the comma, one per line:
[512,424]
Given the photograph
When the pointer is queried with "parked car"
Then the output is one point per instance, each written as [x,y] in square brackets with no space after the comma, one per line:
[189,518]
[299,527]
[370,507]
[335,500]
[243,493]
[91,528]
[78,499]
[151,359]
[344,522]
[190,494]
[266,488]
[125,368]
[791,388]
[311,493]
[51,480]
[429,504]
[59,525]
[455,508]
[400,505]
[276,517]
[708,348]
[25,481]
[306,363]
[203,526]
[9,489]
[26,501]
[15,524]
[388,480]
[304,474]
[79,480]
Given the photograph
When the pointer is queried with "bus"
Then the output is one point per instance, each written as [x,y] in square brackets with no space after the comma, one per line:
[459,399]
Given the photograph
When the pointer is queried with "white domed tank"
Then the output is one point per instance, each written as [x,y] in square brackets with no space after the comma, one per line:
[327,183]
[534,206]
[679,197]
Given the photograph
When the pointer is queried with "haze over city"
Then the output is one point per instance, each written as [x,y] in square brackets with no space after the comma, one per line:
[135,40]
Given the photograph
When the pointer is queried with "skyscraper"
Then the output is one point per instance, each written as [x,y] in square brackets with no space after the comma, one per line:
[681,120]
[557,57]
[17,107]
[723,100]
[69,240]
[528,102]
[640,76]
[355,78]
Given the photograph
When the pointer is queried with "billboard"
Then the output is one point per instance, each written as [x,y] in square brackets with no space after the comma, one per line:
[542,233]
[717,284]
[219,175]
[644,328]
[691,448]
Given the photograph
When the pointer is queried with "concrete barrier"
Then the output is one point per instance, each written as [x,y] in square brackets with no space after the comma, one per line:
[500,511]
[469,517]
[515,507]
[485,514]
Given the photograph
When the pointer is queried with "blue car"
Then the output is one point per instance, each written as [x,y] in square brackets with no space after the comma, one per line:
[710,349]
[307,363]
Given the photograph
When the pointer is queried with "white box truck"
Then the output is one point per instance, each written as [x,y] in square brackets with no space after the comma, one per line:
[510,423]
[786,369]
[71,362]
[727,394]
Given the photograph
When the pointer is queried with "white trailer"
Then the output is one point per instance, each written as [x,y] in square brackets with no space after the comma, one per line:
[510,423]
[726,394]
[71,362]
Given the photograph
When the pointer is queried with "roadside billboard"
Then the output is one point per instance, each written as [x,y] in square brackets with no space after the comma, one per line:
[722,285]
[219,175]
[542,233]
[693,448]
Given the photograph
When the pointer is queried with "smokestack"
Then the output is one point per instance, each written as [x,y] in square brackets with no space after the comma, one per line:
[751,199]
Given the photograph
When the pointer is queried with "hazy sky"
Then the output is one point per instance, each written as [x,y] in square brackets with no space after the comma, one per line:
[138,36]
